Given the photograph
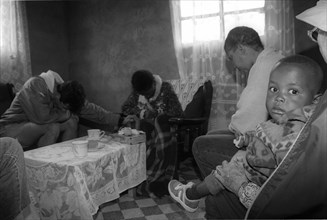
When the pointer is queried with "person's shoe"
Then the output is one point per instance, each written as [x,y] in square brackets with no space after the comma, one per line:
[177,191]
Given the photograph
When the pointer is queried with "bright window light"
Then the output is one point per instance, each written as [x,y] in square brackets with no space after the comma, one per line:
[203,20]
[255,20]
[230,6]
[190,8]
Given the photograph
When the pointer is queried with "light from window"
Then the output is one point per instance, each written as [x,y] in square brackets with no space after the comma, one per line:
[204,20]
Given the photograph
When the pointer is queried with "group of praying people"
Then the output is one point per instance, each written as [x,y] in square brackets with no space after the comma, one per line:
[279,98]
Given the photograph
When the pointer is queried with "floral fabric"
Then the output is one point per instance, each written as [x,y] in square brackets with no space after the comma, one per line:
[66,187]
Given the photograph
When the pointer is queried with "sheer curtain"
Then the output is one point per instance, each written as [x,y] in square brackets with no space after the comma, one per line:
[14,47]
[279,31]
[197,62]
[206,60]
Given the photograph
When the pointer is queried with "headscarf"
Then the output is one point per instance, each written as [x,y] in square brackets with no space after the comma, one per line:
[50,78]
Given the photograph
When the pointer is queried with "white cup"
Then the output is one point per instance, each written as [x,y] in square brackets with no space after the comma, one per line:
[80,148]
[95,134]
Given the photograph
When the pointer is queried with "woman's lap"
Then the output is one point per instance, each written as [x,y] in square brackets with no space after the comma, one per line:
[224,205]
[161,155]
[210,151]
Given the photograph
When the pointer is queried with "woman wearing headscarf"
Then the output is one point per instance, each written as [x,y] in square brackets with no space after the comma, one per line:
[151,103]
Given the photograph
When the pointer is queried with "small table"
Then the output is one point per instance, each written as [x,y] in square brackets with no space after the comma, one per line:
[67,187]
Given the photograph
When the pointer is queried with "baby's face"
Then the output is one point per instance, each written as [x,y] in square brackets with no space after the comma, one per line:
[289,88]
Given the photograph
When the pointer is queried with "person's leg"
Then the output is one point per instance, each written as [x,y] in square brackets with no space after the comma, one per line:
[188,195]
[29,134]
[211,150]
[13,183]
[50,136]
[224,205]
[197,191]
[177,191]
[69,129]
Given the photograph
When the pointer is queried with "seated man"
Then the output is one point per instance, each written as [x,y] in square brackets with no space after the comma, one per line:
[47,108]
[13,185]
[297,188]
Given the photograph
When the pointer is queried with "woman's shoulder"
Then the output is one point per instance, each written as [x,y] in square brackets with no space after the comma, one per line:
[166,85]
[35,82]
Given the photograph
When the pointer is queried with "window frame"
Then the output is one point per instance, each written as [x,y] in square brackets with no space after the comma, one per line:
[219,14]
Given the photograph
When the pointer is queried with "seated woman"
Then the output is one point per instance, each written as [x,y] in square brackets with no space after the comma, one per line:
[152,103]
[46,110]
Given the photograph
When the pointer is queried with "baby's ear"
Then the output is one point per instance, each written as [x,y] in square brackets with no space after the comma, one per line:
[316,98]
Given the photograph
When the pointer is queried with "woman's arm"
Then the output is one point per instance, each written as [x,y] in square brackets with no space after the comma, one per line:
[130,106]
[98,114]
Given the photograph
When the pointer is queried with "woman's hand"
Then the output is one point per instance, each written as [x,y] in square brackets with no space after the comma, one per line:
[130,119]
[150,114]
[239,140]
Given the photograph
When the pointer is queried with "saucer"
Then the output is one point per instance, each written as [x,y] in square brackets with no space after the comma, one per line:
[95,148]
[93,145]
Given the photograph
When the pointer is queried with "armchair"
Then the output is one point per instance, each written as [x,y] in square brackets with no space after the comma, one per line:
[194,122]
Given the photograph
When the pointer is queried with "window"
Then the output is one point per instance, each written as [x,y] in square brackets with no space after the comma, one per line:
[211,20]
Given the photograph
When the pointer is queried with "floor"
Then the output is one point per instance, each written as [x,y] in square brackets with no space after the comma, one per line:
[146,208]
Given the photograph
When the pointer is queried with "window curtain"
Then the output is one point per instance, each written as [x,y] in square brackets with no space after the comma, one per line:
[206,60]
[14,47]
[279,31]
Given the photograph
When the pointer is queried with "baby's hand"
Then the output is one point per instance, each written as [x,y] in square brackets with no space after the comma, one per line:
[231,175]
[239,141]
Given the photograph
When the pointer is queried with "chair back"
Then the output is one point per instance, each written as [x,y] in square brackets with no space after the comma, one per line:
[200,105]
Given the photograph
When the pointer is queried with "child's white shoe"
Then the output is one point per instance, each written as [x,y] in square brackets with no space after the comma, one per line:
[177,191]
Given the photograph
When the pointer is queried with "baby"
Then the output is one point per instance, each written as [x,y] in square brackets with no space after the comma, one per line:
[292,94]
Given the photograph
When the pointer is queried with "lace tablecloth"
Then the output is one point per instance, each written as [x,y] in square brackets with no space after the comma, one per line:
[67,187]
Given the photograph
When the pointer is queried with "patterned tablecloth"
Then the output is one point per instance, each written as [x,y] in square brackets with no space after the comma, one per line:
[66,187]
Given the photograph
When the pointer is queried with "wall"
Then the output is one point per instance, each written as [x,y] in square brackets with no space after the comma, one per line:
[110,39]
[47,26]
[101,42]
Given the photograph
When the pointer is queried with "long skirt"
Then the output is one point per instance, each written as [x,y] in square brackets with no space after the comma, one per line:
[161,158]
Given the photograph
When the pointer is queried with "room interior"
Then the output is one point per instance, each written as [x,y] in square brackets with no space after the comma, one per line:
[102,42]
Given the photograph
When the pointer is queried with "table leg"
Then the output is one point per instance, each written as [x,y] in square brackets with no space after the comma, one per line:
[132,192]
